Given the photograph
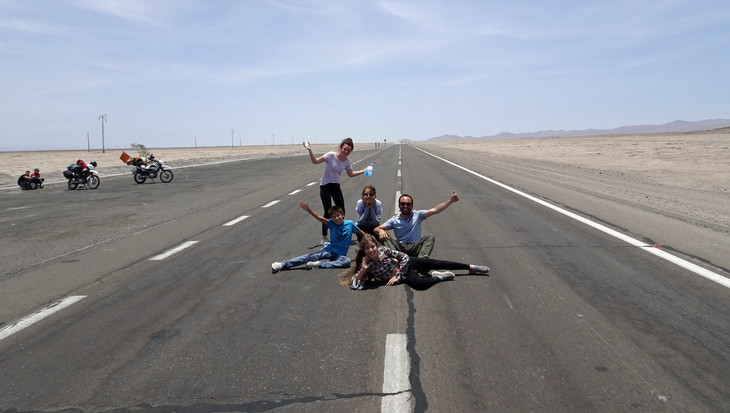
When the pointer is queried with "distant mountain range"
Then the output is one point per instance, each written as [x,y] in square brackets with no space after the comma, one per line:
[677,126]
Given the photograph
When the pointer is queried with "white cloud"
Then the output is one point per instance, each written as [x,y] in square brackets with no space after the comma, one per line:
[148,12]
[22,25]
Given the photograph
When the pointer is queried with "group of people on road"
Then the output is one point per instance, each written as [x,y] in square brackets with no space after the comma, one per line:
[31,180]
[380,258]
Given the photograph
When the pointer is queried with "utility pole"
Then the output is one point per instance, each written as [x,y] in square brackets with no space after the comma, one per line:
[103,119]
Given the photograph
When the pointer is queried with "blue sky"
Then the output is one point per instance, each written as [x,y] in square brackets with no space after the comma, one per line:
[186,72]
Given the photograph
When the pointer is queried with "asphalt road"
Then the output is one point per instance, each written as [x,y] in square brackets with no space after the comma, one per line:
[570,319]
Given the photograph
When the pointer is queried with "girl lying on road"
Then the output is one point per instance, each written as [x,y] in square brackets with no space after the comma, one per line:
[390,267]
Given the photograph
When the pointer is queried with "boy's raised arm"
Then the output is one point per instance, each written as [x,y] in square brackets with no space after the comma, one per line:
[305,206]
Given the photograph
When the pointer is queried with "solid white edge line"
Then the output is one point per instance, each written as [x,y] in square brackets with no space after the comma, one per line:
[39,315]
[703,272]
[235,221]
[173,251]
[395,375]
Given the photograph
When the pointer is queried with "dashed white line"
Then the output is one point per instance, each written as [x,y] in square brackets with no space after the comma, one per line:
[295,192]
[39,315]
[395,375]
[173,251]
[312,183]
[397,198]
[235,221]
[271,203]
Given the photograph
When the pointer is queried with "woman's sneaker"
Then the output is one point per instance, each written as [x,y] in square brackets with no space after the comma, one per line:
[443,275]
[275,267]
[478,269]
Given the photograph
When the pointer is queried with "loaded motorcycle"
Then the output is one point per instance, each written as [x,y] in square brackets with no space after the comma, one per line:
[157,168]
[77,175]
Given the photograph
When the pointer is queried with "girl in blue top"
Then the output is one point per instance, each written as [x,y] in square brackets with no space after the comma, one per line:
[329,187]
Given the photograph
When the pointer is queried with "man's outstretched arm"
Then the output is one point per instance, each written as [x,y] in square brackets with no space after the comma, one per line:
[440,207]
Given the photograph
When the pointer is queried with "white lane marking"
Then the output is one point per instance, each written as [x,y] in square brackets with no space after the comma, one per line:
[17,208]
[712,276]
[39,315]
[295,192]
[235,221]
[397,198]
[398,173]
[173,251]
[395,375]
[271,203]
[312,183]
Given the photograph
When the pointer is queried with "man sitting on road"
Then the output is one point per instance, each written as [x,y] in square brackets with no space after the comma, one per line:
[406,227]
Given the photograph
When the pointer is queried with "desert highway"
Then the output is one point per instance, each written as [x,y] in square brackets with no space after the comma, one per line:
[160,297]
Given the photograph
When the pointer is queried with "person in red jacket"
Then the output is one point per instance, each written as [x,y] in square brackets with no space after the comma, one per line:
[82,169]
[36,177]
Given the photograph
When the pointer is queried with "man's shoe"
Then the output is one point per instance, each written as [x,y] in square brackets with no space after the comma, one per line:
[478,269]
[443,275]
[276,267]
[312,264]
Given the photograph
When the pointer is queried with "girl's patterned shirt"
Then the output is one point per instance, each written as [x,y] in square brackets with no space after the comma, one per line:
[383,269]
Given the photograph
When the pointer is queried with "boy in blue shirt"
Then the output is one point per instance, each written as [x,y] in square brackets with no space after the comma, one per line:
[340,231]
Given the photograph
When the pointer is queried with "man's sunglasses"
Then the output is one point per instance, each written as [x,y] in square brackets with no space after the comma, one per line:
[406,203]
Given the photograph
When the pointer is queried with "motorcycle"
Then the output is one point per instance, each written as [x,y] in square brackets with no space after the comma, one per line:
[157,168]
[76,176]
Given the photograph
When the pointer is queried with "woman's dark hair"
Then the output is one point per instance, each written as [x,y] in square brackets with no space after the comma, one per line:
[347,141]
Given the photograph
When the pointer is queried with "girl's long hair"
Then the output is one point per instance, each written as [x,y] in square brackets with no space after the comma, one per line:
[346,276]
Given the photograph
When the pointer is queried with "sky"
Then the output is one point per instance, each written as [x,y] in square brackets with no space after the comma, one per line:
[184,73]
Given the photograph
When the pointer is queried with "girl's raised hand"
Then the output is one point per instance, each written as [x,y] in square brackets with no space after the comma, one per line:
[365,262]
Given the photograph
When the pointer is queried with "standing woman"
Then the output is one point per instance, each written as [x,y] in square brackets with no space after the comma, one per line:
[329,187]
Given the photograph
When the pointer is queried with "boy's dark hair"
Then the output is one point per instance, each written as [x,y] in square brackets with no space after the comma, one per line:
[335,208]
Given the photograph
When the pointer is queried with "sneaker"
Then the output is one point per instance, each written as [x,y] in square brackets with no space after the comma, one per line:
[478,269]
[443,275]
[275,267]
[312,264]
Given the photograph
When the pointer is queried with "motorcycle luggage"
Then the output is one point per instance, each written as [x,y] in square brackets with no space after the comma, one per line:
[68,174]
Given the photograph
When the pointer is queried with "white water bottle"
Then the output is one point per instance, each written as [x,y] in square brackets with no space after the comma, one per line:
[370,169]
